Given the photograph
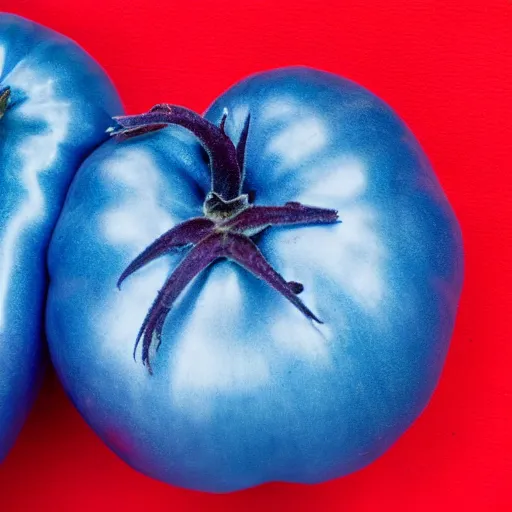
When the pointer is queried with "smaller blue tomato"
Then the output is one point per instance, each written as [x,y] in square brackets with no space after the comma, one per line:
[287,269]
[55,105]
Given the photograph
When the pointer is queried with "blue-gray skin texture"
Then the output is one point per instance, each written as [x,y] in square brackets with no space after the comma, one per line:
[245,389]
[60,106]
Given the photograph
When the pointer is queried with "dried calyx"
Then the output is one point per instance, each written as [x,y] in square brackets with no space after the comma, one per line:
[229,221]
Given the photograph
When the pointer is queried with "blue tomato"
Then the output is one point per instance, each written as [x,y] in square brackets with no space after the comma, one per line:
[246,386]
[55,104]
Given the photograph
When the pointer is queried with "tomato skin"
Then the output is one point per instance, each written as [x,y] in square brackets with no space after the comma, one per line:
[244,389]
[60,104]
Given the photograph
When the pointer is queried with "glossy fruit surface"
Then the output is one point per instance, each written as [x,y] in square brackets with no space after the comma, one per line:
[244,388]
[55,105]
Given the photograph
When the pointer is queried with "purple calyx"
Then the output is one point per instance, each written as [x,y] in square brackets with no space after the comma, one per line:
[225,230]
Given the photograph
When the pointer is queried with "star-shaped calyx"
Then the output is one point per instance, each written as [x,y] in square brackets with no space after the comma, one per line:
[224,231]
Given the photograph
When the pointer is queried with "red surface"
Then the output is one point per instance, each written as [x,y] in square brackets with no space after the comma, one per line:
[446,67]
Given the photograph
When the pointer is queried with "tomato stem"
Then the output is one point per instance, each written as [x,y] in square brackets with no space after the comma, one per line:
[5,94]
[229,222]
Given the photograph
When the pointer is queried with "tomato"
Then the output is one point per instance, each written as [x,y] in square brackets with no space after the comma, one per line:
[55,105]
[286,269]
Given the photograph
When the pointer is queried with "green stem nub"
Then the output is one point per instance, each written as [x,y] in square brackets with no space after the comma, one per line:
[5,94]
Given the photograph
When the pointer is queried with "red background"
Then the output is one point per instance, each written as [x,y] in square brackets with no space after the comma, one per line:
[446,67]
